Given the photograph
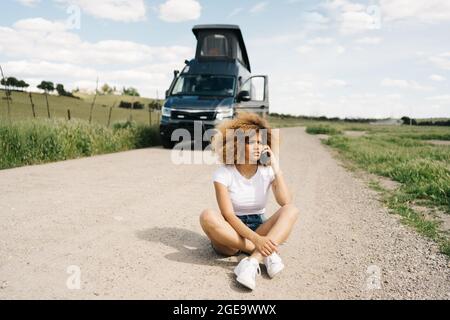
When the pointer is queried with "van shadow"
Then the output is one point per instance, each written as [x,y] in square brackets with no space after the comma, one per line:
[192,248]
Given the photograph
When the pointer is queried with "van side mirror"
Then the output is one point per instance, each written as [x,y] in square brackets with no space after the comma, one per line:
[244,96]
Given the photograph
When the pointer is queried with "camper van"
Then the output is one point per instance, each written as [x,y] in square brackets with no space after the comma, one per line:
[213,86]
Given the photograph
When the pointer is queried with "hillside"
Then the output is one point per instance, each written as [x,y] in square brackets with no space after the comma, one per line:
[20,107]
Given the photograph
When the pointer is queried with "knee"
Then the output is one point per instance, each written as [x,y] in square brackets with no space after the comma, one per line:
[291,211]
[208,219]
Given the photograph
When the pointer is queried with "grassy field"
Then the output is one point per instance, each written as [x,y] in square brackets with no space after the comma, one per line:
[80,108]
[405,155]
[29,142]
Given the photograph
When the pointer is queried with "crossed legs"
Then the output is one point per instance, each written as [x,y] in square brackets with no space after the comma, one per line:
[228,242]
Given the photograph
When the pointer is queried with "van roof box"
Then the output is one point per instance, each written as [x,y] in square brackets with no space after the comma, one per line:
[221,42]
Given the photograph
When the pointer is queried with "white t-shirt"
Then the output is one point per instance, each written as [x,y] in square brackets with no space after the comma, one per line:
[248,196]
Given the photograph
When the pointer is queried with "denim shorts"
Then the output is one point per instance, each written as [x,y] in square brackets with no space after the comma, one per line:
[253,221]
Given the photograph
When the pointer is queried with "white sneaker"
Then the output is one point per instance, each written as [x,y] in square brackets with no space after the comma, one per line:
[273,264]
[246,272]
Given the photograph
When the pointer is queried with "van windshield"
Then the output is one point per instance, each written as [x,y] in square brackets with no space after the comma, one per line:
[204,85]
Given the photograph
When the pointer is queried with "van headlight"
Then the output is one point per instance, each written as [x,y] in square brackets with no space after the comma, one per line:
[224,113]
[166,112]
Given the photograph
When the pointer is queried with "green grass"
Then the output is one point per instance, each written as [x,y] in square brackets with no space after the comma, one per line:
[401,154]
[38,141]
[322,129]
[80,108]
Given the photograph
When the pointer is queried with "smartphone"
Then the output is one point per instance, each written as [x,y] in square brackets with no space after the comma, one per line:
[265,158]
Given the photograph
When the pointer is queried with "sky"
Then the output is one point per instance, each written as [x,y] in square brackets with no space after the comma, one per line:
[335,58]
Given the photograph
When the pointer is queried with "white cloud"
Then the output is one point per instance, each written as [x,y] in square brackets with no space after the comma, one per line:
[312,97]
[427,11]
[404,84]
[369,40]
[116,10]
[259,7]
[29,3]
[42,49]
[39,25]
[353,18]
[354,22]
[441,60]
[340,49]
[314,21]
[438,78]
[321,41]
[38,68]
[46,40]
[336,83]
[278,39]
[313,45]
[441,98]
[304,49]
[235,12]
[180,10]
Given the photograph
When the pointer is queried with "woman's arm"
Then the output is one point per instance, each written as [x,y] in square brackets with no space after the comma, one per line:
[279,187]
[281,191]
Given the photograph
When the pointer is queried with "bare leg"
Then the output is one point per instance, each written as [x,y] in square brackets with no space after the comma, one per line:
[278,227]
[222,235]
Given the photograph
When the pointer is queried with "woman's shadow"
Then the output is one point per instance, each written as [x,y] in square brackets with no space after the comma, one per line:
[192,248]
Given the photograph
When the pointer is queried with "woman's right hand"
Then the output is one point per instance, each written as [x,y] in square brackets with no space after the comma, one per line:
[265,245]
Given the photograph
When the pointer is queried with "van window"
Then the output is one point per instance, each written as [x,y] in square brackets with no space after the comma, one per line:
[239,54]
[256,87]
[204,85]
[215,46]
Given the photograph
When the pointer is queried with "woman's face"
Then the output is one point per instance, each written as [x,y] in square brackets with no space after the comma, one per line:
[253,148]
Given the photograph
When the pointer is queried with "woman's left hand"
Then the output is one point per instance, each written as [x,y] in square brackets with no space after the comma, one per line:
[273,159]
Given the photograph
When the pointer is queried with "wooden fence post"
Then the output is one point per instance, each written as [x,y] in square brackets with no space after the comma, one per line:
[48,106]
[69,115]
[149,116]
[93,102]
[109,116]
[32,106]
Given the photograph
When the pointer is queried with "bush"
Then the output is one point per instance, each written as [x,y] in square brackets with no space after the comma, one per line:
[321,129]
[129,105]
[41,141]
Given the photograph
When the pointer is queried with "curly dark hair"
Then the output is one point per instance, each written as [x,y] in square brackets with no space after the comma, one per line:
[225,141]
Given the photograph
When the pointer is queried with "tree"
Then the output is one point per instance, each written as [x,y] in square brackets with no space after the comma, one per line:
[155,105]
[130,92]
[12,82]
[47,86]
[22,84]
[106,89]
[408,121]
[60,89]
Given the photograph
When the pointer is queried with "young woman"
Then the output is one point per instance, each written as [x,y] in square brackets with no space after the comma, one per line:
[242,189]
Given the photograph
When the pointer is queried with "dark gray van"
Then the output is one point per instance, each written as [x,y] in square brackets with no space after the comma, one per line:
[214,85]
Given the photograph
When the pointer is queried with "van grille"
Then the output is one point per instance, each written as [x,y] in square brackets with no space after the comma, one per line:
[201,116]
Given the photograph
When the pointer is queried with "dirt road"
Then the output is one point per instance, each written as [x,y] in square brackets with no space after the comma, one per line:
[127,223]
